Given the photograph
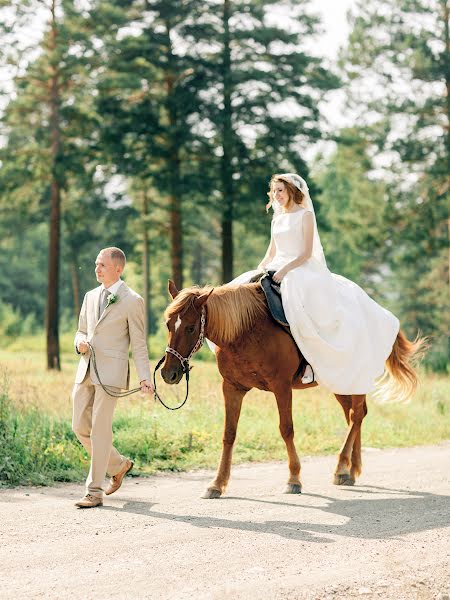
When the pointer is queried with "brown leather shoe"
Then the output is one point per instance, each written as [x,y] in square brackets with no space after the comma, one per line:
[116,481]
[89,501]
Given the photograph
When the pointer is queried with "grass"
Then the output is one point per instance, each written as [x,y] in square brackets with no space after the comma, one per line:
[37,445]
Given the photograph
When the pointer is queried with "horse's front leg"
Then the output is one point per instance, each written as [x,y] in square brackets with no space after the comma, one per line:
[284,403]
[233,401]
[349,461]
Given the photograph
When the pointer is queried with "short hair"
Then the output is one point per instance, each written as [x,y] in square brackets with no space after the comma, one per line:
[117,255]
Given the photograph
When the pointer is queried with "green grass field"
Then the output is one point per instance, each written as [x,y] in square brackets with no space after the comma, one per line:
[37,445]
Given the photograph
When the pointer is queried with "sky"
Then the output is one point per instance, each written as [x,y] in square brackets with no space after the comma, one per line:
[334,21]
[335,36]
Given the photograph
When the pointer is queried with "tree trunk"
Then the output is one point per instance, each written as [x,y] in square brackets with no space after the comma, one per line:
[446,15]
[53,360]
[227,145]
[197,263]
[176,238]
[174,169]
[75,284]
[146,261]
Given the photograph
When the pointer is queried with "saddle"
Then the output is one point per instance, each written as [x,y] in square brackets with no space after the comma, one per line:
[272,293]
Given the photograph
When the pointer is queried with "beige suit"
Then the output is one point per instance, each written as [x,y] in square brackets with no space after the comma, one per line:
[120,325]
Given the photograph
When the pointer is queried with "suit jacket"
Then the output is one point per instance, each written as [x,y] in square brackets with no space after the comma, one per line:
[120,325]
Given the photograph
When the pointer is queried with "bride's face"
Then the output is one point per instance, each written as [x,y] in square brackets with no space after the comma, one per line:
[280,194]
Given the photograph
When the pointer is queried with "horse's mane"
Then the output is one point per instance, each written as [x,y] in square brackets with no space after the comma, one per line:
[232,309]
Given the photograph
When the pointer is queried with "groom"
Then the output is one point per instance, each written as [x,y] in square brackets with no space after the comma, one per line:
[111,318]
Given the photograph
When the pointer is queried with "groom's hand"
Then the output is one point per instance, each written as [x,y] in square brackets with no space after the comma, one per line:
[147,387]
[82,347]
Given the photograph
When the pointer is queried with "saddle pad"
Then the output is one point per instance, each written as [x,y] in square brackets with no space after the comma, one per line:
[273,296]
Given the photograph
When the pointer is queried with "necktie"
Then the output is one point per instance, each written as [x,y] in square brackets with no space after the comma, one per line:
[103,302]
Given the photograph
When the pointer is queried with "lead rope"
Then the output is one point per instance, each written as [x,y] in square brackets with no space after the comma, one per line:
[184,362]
[158,397]
[109,392]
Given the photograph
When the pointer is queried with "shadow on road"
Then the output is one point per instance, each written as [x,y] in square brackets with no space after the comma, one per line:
[371,517]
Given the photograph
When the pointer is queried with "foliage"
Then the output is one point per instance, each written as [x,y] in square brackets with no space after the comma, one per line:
[262,105]
[35,448]
[354,228]
[13,325]
[398,66]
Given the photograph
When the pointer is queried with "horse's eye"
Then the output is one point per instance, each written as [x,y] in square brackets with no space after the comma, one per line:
[190,329]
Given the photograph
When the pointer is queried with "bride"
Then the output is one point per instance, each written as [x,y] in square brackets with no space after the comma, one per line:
[344,335]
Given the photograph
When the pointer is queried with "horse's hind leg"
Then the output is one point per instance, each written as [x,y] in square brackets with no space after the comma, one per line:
[349,462]
[284,403]
[233,402]
[355,470]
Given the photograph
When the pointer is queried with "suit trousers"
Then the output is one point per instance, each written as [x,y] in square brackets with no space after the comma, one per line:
[93,411]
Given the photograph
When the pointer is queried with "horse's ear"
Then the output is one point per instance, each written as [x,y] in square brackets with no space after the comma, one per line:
[201,300]
[173,289]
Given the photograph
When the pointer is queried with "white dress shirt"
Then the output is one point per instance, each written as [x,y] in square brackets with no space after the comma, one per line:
[114,287]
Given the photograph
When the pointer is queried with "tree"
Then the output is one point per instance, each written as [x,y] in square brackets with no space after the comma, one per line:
[354,232]
[264,100]
[398,58]
[149,93]
[43,125]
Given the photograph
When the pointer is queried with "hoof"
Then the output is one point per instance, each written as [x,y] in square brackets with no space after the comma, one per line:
[211,494]
[293,488]
[343,479]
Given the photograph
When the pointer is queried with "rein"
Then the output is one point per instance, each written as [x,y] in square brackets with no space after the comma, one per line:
[184,362]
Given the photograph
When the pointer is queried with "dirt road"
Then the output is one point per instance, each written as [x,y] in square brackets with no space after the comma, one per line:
[388,537]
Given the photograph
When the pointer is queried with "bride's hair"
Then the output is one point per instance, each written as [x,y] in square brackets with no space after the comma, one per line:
[294,193]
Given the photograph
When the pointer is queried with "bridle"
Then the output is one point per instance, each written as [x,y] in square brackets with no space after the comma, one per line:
[198,343]
[183,360]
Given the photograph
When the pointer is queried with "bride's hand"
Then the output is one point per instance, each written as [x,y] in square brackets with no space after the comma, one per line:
[278,276]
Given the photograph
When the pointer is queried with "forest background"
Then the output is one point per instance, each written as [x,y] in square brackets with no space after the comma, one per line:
[155,126]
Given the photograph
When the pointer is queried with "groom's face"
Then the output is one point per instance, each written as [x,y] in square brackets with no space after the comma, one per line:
[107,271]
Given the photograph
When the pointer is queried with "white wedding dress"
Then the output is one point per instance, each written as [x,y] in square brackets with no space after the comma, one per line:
[344,334]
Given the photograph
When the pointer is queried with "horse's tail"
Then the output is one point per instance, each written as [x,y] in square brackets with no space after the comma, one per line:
[400,379]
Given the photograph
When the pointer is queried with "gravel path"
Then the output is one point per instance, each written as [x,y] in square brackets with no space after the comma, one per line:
[388,537]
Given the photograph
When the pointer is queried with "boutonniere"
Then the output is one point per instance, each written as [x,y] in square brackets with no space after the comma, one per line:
[112,299]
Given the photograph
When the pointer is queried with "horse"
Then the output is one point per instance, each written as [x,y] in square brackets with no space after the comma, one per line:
[253,351]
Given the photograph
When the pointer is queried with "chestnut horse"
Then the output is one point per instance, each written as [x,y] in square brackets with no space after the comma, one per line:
[252,351]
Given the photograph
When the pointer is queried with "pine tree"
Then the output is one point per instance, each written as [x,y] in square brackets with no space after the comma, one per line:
[44,125]
[264,95]
[148,98]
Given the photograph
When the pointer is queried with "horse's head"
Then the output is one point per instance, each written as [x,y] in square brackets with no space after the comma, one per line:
[183,320]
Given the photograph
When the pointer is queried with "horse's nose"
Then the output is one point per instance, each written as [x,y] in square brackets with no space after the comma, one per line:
[170,376]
